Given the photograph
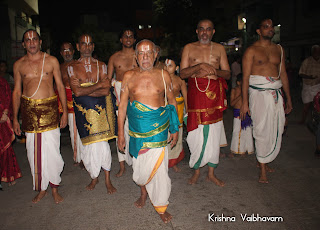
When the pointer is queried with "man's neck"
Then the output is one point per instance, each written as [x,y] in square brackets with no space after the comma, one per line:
[85,59]
[264,42]
[127,50]
[204,44]
[35,56]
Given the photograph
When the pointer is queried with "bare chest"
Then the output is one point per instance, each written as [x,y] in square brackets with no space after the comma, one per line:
[201,55]
[267,57]
[146,86]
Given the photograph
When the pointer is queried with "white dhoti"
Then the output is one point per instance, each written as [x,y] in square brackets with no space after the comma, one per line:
[223,138]
[242,140]
[267,114]
[74,138]
[176,154]
[151,169]
[96,156]
[204,145]
[309,92]
[46,163]
[126,156]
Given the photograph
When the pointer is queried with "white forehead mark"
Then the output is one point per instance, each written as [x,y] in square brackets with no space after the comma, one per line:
[128,33]
[145,47]
[88,68]
[87,40]
[70,71]
[30,35]
[65,50]
[168,62]
[104,69]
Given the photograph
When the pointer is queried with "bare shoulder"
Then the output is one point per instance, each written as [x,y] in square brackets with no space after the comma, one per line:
[114,56]
[217,46]
[51,59]
[19,62]
[250,50]
[101,63]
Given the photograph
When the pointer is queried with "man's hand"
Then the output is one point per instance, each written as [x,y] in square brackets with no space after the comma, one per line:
[244,110]
[75,81]
[288,107]
[16,127]
[173,139]
[121,143]
[64,120]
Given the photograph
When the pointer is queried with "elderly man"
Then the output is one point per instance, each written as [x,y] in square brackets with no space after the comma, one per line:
[206,66]
[150,116]
[94,113]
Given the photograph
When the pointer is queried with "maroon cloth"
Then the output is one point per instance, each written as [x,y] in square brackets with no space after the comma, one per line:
[205,107]
[9,168]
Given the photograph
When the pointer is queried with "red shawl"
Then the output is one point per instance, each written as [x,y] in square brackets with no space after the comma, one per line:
[205,107]
[6,133]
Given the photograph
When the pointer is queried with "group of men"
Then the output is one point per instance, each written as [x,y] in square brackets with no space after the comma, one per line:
[147,118]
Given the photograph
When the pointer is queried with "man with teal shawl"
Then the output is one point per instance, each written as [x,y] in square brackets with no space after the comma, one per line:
[150,118]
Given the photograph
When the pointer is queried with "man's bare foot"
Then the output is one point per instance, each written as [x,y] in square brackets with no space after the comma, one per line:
[263,179]
[38,197]
[76,164]
[165,217]
[195,177]
[56,196]
[122,169]
[268,169]
[176,168]
[92,185]
[110,188]
[222,155]
[216,181]
[231,155]
[141,201]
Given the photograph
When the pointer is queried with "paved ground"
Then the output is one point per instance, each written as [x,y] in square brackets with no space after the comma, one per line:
[293,193]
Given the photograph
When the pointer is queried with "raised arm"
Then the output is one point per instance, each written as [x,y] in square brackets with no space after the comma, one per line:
[16,97]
